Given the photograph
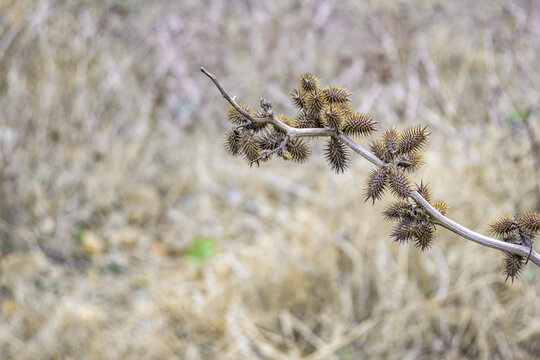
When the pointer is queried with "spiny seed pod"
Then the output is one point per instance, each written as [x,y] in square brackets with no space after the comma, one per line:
[412,139]
[424,236]
[531,222]
[336,95]
[441,206]
[397,210]
[404,231]
[332,117]
[358,124]
[337,155]
[299,150]
[316,115]
[235,116]
[347,110]
[411,161]
[250,146]
[376,184]
[399,183]
[298,98]
[304,120]
[232,141]
[391,140]
[308,83]
[424,191]
[512,266]
[270,140]
[315,101]
[503,226]
[377,148]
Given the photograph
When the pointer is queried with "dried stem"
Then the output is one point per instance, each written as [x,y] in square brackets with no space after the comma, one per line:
[267,154]
[439,218]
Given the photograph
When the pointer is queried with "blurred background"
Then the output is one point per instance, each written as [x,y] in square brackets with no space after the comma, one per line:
[126,232]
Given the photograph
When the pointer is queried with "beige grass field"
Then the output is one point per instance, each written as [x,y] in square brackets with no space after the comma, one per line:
[127,232]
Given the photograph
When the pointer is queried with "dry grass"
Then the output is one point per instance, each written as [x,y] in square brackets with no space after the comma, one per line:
[111,164]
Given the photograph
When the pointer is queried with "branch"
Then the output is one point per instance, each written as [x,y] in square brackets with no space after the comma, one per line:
[267,154]
[440,219]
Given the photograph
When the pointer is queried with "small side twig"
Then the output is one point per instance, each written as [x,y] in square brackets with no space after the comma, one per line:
[267,154]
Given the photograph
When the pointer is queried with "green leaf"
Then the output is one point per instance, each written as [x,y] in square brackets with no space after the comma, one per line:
[79,233]
[112,269]
[518,116]
[140,283]
[201,247]
[345,353]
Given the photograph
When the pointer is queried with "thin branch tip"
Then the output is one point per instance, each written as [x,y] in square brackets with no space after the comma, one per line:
[206,72]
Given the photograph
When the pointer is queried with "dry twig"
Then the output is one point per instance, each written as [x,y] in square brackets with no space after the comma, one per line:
[293,133]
